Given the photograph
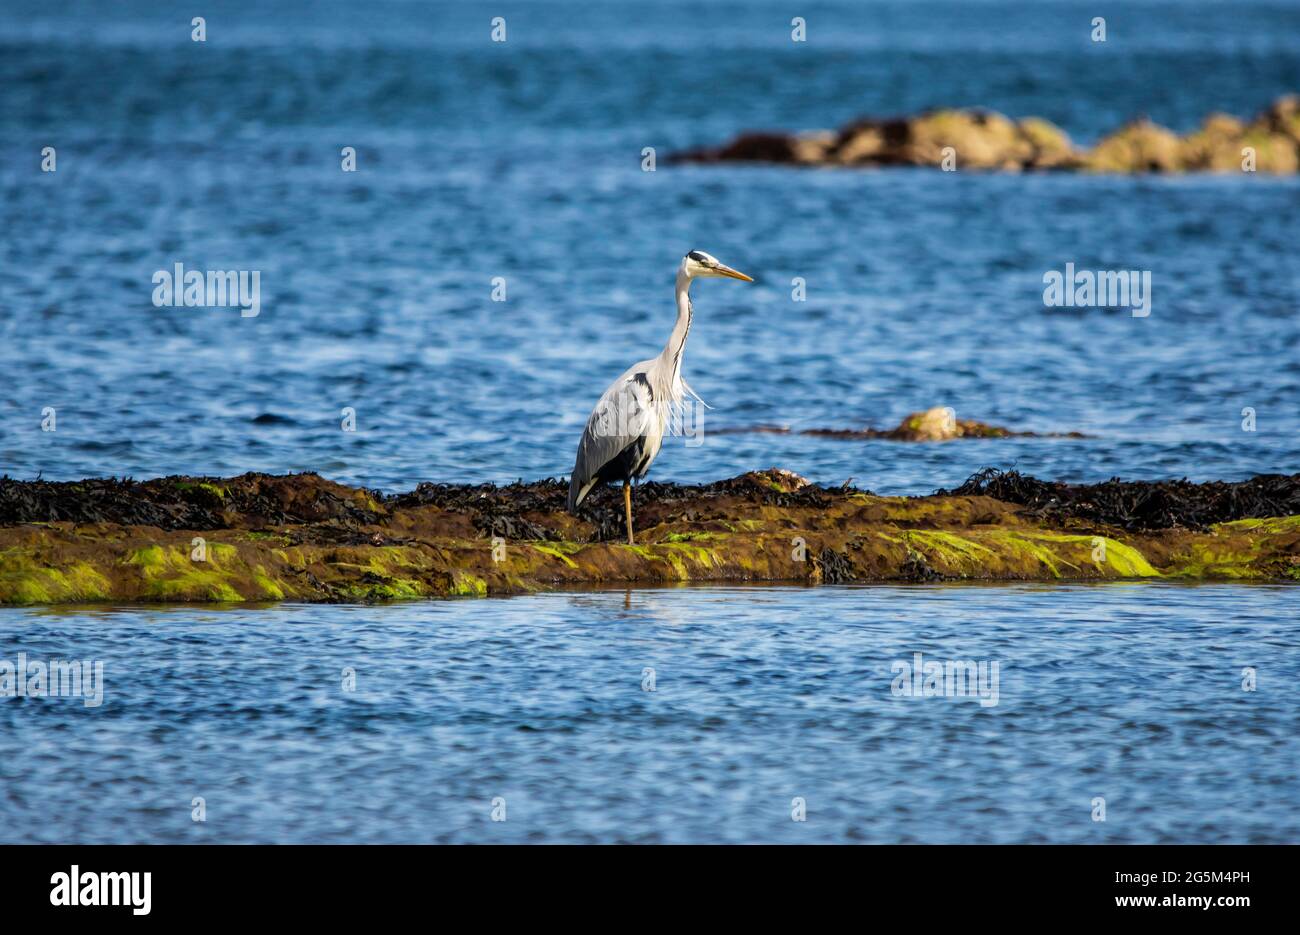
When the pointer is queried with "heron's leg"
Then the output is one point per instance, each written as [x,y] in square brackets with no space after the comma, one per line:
[627,510]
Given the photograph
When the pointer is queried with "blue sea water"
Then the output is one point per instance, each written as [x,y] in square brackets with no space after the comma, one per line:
[1131,693]
[523,160]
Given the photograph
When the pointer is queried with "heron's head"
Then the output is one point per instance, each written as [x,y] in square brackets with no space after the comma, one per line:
[697,265]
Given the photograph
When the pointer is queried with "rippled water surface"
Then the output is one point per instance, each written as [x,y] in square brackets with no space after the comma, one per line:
[522,160]
[1129,692]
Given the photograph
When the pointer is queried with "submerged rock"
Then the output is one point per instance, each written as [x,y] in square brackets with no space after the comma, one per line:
[937,424]
[941,424]
[260,537]
[986,140]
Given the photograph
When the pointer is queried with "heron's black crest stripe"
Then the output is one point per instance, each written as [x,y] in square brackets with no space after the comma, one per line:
[698,257]
[677,355]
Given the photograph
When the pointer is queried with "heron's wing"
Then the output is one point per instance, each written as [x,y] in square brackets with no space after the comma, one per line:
[628,412]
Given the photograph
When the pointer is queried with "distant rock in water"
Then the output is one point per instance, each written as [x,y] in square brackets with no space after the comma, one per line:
[933,425]
[979,139]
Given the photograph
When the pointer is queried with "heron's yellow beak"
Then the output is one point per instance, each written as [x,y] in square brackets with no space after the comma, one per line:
[733,273]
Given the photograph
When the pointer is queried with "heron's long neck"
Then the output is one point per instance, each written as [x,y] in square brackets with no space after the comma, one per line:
[672,354]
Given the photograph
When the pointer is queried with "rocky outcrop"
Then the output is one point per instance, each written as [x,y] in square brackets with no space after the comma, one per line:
[985,140]
[260,537]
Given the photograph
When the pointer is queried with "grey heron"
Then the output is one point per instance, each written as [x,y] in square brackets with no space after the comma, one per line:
[625,430]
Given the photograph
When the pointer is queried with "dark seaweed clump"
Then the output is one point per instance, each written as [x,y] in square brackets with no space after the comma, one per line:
[836,567]
[496,511]
[198,503]
[1141,505]
[750,487]
[534,510]
[504,511]
[103,500]
[337,513]
[669,502]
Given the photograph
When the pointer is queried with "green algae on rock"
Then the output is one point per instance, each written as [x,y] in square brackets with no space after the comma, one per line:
[300,537]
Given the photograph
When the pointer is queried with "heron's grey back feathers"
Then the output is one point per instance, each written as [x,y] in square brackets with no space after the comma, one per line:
[632,411]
